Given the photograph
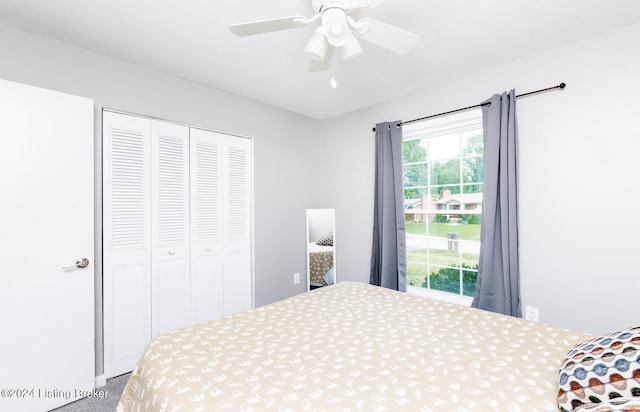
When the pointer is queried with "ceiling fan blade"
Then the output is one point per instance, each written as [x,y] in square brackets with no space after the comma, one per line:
[386,35]
[322,65]
[266,26]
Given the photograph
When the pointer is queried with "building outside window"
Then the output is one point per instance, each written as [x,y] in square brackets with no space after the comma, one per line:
[443,183]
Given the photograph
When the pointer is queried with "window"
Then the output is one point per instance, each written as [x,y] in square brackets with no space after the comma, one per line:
[443,182]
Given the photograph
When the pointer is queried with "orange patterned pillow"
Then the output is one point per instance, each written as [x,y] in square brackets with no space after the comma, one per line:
[601,370]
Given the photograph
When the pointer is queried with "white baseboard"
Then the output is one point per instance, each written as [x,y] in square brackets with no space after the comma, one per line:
[100,381]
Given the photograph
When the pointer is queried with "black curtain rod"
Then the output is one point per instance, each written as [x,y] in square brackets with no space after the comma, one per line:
[560,86]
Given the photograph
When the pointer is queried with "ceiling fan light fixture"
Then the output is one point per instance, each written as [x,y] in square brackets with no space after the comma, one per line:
[317,44]
[351,48]
[337,28]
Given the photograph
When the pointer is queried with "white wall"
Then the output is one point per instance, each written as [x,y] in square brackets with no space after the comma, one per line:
[282,143]
[579,165]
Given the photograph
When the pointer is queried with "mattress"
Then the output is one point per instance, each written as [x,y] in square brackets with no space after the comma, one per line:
[353,347]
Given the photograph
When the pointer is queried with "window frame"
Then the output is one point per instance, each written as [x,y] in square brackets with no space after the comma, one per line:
[441,126]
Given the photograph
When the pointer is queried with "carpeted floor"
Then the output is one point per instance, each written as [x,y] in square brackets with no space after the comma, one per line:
[112,390]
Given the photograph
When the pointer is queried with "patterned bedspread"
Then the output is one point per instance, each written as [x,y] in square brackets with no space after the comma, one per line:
[372,350]
[320,261]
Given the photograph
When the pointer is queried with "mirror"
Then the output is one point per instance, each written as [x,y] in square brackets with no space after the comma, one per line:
[321,255]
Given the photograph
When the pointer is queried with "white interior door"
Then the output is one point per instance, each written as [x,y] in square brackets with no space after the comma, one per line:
[46,223]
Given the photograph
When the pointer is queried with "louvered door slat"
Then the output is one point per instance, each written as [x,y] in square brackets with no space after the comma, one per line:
[237,194]
[172,194]
[127,188]
[207,208]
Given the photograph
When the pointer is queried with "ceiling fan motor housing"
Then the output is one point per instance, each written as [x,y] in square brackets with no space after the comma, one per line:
[335,21]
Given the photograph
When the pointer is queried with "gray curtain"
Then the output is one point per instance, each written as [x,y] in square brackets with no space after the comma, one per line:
[388,255]
[498,283]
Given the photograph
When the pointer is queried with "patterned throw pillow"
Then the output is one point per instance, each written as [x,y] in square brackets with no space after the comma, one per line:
[600,371]
[615,405]
[326,239]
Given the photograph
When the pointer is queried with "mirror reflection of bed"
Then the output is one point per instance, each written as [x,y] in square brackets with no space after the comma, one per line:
[321,270]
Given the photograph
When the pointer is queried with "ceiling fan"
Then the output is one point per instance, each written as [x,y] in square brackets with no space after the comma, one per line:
[337,30]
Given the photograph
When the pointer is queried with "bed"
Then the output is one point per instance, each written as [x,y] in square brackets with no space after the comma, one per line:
[353,347]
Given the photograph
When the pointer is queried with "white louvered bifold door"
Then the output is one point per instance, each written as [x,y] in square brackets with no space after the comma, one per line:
[177,231]
[207,264]
[170,279]
[126,240]
[237,225]
[221,260]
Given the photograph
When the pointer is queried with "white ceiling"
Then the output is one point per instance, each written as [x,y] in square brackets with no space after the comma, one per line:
[190,39]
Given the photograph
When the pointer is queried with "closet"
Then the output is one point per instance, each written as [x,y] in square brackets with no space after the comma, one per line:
[176,231]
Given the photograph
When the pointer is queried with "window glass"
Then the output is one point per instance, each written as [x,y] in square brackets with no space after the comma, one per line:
[443,183]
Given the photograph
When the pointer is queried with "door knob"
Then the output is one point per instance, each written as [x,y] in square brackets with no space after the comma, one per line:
[80,263]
